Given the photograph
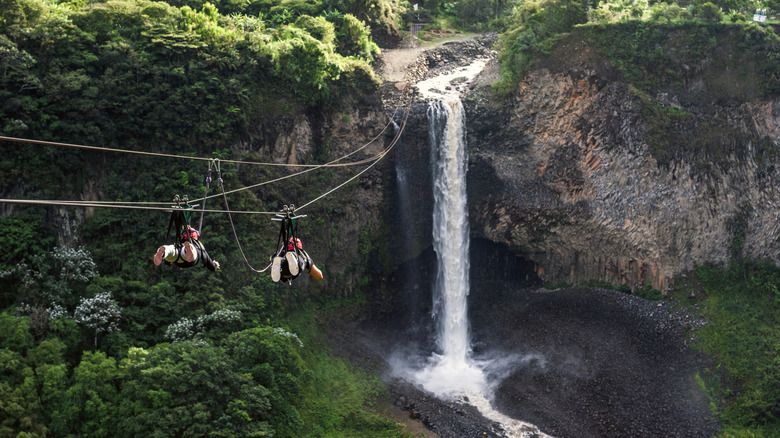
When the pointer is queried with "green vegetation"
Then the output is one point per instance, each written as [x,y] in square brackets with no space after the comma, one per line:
[741,304]
[650,45]
[254,382]
[144,72]
[97,341]
[535,27]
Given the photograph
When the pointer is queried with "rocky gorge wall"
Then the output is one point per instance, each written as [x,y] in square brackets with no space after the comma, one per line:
[564,172]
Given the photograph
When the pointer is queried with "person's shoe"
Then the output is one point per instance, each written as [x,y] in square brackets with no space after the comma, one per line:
[158,258]
[276,269]
[315,272]
[189,252]
[292,263]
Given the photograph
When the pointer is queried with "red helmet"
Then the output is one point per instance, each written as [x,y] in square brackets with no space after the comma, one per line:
[297,243]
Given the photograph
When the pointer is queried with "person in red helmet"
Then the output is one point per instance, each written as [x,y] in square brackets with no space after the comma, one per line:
[291,261]
[187,254]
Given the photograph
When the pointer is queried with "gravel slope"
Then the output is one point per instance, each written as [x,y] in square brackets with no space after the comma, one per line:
[602,363]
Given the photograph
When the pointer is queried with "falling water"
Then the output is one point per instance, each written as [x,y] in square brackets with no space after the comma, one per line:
[453,372]
[411,281]
[450,372]
[450,227]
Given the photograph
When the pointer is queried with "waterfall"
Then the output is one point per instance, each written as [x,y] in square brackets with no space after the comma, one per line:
[452,371]
[450,227]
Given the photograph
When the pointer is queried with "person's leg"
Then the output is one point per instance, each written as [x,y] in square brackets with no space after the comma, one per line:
[167,253]
[309,266]
[159,256]
[305,262]
[276,269]
[189,252]
[292,263]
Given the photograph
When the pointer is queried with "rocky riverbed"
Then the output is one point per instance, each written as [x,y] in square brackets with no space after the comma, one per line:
[575,363]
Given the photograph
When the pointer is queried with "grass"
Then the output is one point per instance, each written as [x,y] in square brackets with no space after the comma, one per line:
[342,401]
[741,304]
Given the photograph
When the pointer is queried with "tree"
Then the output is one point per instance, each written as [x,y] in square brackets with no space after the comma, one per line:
[189,389]
[89,405]
[271,357]
[49,279]
[100,313]
[32,378]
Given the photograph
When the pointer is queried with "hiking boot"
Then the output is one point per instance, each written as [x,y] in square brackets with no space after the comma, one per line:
[189,252]
[276,269]
[158,258]
[292,263]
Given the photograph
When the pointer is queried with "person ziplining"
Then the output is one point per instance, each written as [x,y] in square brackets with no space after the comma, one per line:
[290,259]
[188,250]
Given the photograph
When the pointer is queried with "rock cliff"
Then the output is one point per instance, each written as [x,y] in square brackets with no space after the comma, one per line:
[567,172]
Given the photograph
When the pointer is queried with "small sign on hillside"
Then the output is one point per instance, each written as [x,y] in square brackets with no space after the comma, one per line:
[760,15]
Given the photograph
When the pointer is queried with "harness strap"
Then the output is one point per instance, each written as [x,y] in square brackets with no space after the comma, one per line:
[205,197]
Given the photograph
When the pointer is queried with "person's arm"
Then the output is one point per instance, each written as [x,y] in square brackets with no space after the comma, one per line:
[212,265]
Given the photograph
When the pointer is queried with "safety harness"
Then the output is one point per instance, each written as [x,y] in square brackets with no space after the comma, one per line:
[180,221]
[288,232]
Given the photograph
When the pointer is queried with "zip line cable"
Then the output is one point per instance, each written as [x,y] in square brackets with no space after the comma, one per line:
[227,210]
[128,207]
[233,227]
[183,157]
[134,206]
[328,164]
[386,151]
[211,160]
[382,155]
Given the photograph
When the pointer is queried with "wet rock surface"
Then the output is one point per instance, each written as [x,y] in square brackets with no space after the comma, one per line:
[418,65]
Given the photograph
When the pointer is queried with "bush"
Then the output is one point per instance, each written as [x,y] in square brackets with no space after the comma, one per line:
[741,303]
[353,37]
[536,25]
[318,27]
[709,12]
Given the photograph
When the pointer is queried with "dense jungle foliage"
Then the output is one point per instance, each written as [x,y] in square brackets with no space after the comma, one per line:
[741,304]
[96,341]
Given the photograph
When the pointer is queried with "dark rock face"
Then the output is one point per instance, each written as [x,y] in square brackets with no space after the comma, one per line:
[564,172]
